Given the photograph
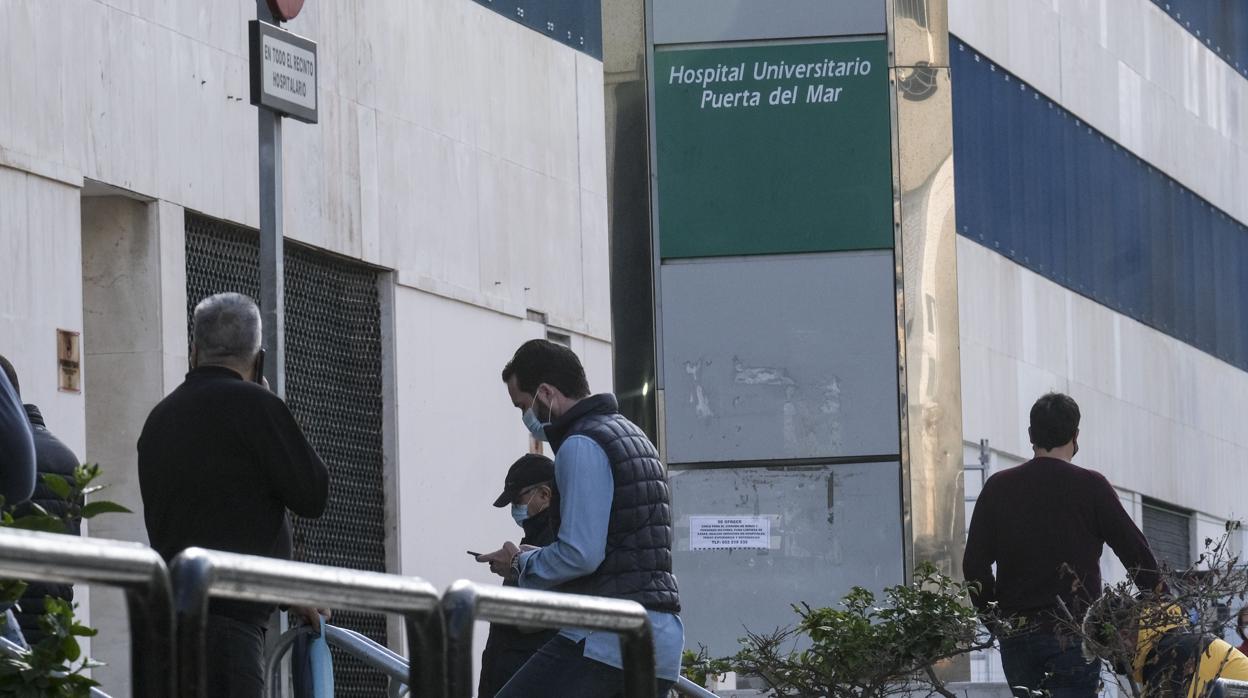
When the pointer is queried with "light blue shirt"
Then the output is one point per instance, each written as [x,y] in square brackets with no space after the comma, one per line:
[586,489]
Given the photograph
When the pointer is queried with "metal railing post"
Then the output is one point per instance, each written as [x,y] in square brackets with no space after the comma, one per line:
[459,611]
[465,602]
[191,581]
[133,567]
[637,650]
[200,575]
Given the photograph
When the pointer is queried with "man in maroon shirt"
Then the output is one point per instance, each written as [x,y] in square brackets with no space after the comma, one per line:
[1044,524]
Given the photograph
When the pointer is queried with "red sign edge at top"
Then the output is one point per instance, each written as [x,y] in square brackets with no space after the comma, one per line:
[285,10]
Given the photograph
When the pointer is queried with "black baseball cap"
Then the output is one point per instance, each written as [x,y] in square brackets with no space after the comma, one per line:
[531,469]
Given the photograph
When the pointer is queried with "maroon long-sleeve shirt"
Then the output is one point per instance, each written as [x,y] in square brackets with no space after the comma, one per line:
[1036,518]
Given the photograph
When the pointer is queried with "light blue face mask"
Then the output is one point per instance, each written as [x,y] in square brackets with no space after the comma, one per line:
[534,425]
[520,512]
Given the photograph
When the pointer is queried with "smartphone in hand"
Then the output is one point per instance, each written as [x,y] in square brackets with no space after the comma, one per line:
[260,366]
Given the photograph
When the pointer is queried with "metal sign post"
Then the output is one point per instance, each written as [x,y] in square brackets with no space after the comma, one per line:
[284,72]
[272,259]
[283,83]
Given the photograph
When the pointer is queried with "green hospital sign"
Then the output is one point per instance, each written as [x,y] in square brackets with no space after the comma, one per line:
[768,149]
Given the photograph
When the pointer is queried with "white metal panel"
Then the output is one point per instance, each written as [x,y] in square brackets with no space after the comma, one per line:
[780,357]
[831,528]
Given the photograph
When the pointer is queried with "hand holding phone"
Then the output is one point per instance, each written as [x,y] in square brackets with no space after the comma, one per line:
[500,560]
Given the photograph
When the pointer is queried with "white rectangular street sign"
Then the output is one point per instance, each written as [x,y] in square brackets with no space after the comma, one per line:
[283,71]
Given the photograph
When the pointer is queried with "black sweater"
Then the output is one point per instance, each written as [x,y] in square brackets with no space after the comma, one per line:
[220,461]
[1044,524]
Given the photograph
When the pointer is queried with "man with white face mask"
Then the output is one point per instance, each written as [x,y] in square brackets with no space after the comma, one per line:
[615,529]
[530,492]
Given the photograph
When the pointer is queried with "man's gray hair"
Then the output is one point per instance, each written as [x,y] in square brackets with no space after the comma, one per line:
[227,329]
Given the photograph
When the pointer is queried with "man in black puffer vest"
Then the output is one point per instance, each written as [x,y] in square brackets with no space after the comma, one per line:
[615,532]
[51,457]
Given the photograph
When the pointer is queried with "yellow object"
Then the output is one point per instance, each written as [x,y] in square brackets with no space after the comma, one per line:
[1219,660]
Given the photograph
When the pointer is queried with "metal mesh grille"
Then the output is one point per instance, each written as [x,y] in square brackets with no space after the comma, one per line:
[333,387]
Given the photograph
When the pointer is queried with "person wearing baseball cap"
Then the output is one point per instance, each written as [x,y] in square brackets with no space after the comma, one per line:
[529,489]
[524,475]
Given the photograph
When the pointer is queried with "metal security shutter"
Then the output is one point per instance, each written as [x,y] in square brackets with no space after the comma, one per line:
[333,386]
[1169,535]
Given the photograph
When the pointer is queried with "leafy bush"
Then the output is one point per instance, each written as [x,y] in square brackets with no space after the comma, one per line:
[869,648]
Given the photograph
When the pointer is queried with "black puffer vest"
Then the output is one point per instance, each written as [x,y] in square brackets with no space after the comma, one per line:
[638,563]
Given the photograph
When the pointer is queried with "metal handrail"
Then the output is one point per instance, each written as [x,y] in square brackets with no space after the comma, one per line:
[1227,688]
[199,575]
[465,602]
[685,687]
[133,567]
[385,660]
[372,654]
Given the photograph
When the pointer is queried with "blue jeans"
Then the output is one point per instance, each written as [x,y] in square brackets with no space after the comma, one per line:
[1044,660]
[560,669]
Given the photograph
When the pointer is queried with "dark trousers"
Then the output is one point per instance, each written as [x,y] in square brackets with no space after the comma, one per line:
[506,651]
[1043,659]
[235,658]
[560,669]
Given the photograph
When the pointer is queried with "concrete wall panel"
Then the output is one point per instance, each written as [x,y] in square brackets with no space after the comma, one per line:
[40,292]
[154,99]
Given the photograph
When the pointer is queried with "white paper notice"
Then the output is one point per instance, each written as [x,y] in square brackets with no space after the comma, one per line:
[720,532]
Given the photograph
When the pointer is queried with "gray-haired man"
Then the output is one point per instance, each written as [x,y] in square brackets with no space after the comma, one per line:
[221,459]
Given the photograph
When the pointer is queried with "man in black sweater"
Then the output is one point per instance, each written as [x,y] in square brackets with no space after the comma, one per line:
[1044,524]
[52,457]
[221,459]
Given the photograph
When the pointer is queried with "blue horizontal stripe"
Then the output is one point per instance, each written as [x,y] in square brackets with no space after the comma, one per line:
[1040,186]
